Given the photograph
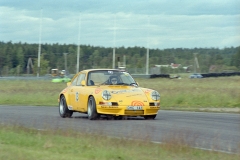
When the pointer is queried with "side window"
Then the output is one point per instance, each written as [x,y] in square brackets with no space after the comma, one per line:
[80,78]
[74,82]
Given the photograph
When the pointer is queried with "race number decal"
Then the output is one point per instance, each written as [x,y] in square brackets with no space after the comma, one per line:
[76,96]
[147,91]
[97,90]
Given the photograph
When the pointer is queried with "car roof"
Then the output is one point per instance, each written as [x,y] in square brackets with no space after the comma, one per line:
[104,69]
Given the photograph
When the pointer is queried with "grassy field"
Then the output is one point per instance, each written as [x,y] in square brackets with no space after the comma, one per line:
[26,144]
[185,93]
[197,93]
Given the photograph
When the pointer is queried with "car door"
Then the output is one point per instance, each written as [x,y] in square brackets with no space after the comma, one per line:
[72,93]
[76,92]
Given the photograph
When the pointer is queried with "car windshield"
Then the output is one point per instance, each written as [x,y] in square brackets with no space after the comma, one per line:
[109,77]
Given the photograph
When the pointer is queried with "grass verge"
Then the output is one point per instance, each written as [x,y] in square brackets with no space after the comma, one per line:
[180,94]
[20,143]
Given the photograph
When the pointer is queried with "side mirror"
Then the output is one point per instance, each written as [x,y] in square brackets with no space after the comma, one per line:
[83,83]
[68,83]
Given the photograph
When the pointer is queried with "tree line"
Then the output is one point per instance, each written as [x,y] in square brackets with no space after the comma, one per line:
[14,57]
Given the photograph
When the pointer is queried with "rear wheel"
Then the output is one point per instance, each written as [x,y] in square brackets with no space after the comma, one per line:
[63,109]
[149,117]
[92,111]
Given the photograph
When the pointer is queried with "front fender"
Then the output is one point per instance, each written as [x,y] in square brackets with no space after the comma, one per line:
[64,93]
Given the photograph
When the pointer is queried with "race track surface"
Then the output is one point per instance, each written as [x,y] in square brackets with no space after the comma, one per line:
[211,131]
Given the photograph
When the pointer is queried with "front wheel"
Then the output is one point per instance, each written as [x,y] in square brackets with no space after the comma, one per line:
[150,117]
[63,109]
[92,111]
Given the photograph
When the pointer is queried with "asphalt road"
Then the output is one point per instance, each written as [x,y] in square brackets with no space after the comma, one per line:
[211,131]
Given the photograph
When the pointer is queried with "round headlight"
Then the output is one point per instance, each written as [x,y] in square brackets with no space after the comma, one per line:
[155,95]
[106,95]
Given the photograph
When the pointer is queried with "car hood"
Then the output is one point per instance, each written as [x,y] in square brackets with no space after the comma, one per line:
[128,95]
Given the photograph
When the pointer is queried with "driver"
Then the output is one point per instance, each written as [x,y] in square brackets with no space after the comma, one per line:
[113,80]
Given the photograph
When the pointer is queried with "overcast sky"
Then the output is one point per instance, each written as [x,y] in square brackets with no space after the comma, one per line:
[146,23]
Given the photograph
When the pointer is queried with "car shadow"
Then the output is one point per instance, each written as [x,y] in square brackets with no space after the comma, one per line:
[103,117]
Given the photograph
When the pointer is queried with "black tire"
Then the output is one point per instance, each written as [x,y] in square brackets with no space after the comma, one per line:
[150,117]
[92,111]
[63,109]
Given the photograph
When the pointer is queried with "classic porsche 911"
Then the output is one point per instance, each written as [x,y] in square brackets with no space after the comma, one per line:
[107,92]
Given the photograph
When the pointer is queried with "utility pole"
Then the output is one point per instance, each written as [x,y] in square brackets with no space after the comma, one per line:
[39,46]
[147,56]
[65,57]
[114,43]
[124,60]
[29,64]
[78,49]
[196,65]
[147,61]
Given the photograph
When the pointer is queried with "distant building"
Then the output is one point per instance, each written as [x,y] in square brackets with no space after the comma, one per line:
[187,68]
[215,68]
[162,65]
[157,68]
[174,66]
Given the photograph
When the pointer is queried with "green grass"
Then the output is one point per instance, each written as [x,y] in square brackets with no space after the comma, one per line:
[196,93]
[182,93]
[30,92]
[26,144]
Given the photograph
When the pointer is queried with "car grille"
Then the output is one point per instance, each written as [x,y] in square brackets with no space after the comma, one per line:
[114,104]
[151,104]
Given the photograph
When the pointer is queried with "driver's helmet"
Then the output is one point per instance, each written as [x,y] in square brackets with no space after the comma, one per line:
[113,80]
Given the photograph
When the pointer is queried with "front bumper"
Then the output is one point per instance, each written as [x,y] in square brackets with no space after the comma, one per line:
[123,111]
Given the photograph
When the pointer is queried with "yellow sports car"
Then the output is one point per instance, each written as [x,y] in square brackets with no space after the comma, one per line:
[107,92]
